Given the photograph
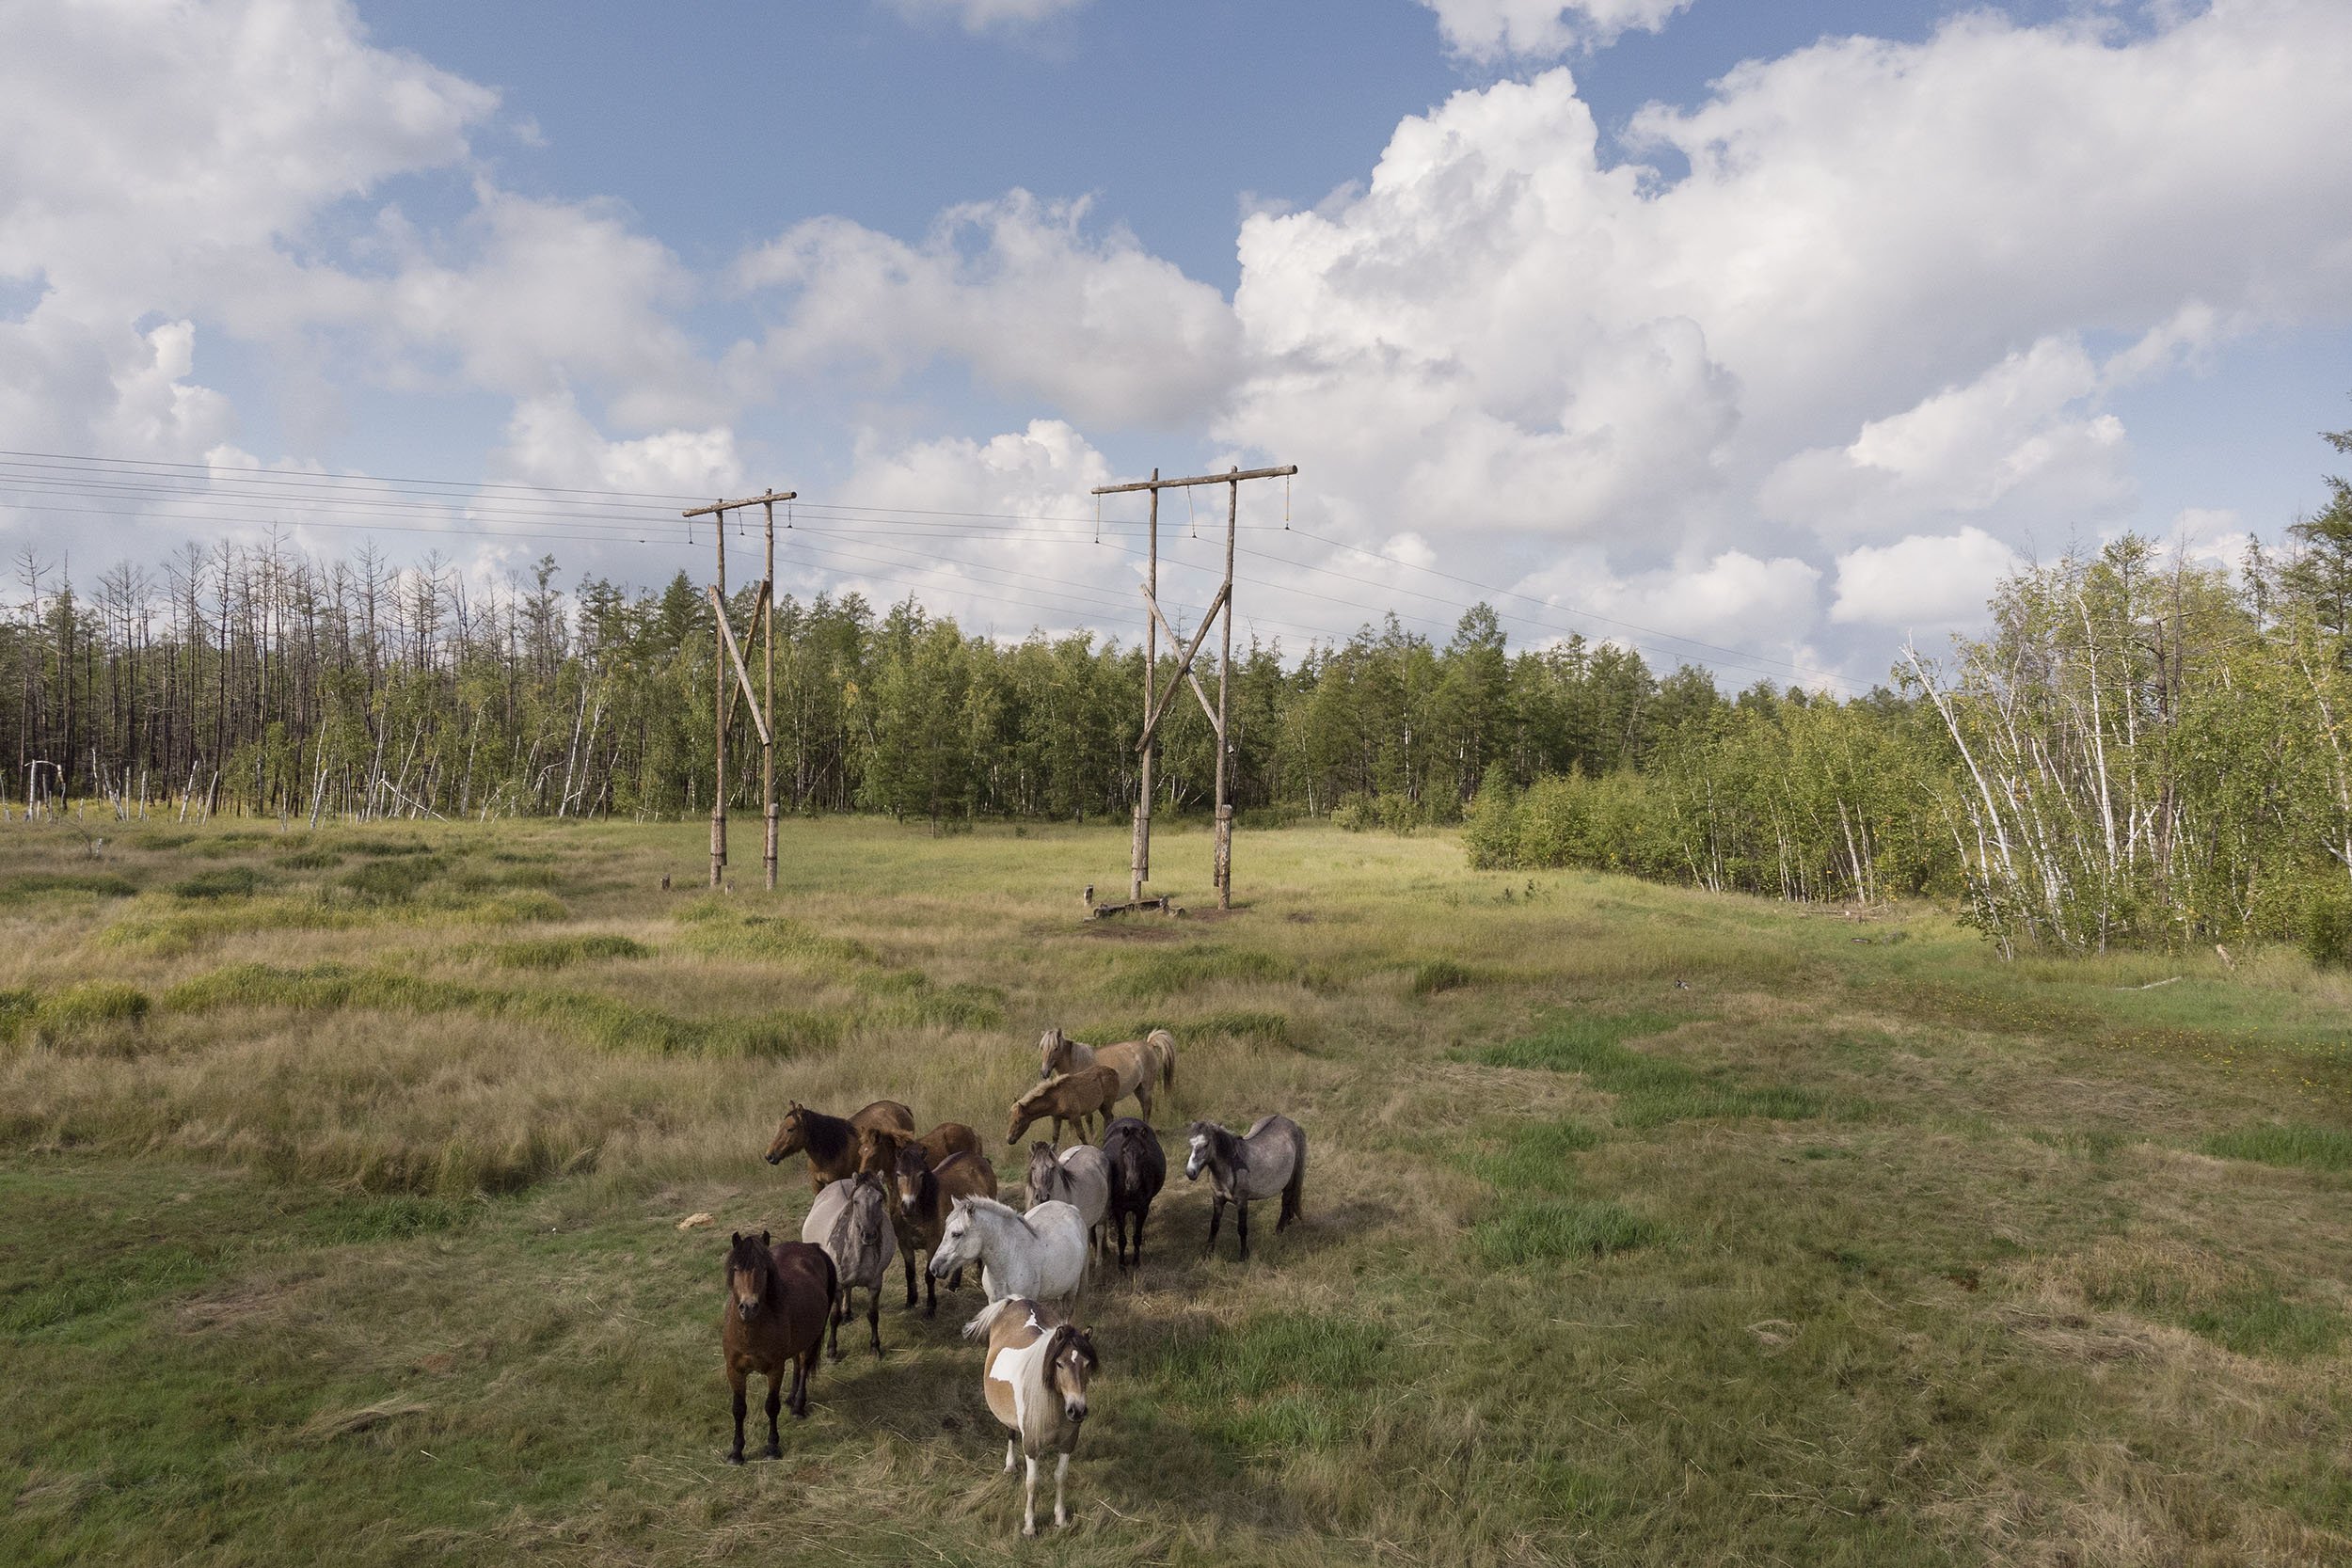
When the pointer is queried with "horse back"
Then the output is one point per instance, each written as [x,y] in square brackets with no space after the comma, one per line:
[964,1174]
[947,1138]
[887,1114]
[1276,1150]
[1138,1166]
[807,1282]
[1130,1062]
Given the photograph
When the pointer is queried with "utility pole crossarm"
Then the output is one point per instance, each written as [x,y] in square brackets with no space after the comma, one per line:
[1229,477]
[769,498]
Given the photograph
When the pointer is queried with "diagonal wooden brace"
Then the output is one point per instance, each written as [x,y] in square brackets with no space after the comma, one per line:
[1183,669]
[750,700]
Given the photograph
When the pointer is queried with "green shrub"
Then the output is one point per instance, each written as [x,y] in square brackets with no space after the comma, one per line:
[1493,833]
[90,1005]
[2328,930]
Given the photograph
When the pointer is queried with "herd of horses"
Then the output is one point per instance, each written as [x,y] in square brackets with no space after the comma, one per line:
[881,1192]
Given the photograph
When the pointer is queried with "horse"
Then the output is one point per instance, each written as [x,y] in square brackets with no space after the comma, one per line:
[1079,1177]
[1270,1158]
[851,1219]
[1041,1254]
[1137,1171]
[1073,1097]
[1137,1062]
[778,1298]
[1034,1377]
[925,1192]
[831,1142]
[878,1151]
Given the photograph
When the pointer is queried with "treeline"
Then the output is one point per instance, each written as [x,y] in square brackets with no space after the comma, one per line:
[2144,749]
[244,679]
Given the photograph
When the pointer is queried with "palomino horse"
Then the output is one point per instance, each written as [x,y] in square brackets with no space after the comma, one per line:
[831,1142]
[1137,1170]
[1270,1158]
[1080,1177]
[1041,1254]
[851,1219]
[1035,1379]
[926,1194]
[1139,1064]
[878,1151]
[778,1299]
[1073,1097]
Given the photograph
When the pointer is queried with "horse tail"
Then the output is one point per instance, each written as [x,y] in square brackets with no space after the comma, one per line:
[1167,1044]
[1296,1188]
[985,1319]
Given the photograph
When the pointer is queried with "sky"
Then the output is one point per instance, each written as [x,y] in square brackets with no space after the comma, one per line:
[1764,336]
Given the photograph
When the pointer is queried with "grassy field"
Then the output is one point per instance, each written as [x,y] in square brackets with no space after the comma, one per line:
[340,1173]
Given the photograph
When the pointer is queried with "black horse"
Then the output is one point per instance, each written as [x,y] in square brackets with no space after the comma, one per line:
[1138,1171]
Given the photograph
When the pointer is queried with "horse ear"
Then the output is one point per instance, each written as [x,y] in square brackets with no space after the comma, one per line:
[764,1241]
[738,1238]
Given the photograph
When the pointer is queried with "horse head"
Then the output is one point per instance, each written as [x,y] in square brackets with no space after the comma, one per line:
[1202,1136]
[1070,1360]
[958,1240]
[791,1136]
[1050,1046]
[878,1149]
[1045,1171]
[913,1170]
[749,1264]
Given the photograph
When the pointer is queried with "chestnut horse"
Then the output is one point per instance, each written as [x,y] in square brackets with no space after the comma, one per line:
[878,1151]
[779,1298]
[831,1142]
[1072,1097]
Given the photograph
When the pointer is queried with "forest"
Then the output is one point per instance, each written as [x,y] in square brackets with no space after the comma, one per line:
[2143,748]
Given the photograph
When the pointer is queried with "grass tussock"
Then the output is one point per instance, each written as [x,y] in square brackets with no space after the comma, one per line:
[1240,1025]
[1541,1229]
[2238,1308]
[1441,974]
[169,932]
[2297,1146]
[1148,976]
[564,952]
[220,881]
[1282,1381]
[100,884]
[1650,1090]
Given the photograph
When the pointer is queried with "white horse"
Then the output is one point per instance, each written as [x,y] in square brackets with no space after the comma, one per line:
[851,1221]
[1081,1176]
[1041,1254]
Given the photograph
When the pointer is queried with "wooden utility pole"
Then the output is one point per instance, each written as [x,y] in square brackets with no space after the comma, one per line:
[1155,707]
[726,652]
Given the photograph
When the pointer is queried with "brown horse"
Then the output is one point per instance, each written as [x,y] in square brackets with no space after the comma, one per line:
[1140,1064]
[831,1142]
[1073,1097]
[878,1151]
[779,1298]
[925,1192]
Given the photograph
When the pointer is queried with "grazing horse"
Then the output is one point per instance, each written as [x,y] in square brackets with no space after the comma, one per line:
[1041,1254]
[1080,1177]
[926,1194]
[1139,1064]
[778,1298]
[1270,1158]
[1073,1097]
[831,1142]
[1035,1379]
[878,1151]
[1137,1170]
[851,1219]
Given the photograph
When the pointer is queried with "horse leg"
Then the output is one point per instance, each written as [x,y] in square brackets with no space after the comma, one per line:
[1028,1502]
[1143,1096]
[1216,1213]
[736,1380]
[1011,1447]
[803,1372]
[873,1315]
[776,1404]
[906,1255]
[840,1310]
[931,1289]
[1241,1222]
[1061,1474]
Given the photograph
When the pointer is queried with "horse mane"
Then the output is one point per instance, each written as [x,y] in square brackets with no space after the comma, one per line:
[824,1137]
[990,1205]
[1037,1091]
[750,1255]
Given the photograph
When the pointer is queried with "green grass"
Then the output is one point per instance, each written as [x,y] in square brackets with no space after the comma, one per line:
[1651,1089]
[100,884]
[2307,1147]
[222,882]
[338,1219]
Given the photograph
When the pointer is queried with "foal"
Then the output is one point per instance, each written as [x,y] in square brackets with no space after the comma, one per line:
[1035,1379]
[778,1299]
[1072,1097]
[1139,1063]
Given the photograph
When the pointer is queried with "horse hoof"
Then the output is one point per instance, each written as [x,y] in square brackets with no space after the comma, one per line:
[735,1458]
[775,1450]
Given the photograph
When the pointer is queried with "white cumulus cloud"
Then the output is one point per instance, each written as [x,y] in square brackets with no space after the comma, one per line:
[1494,29]
[1922,583]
